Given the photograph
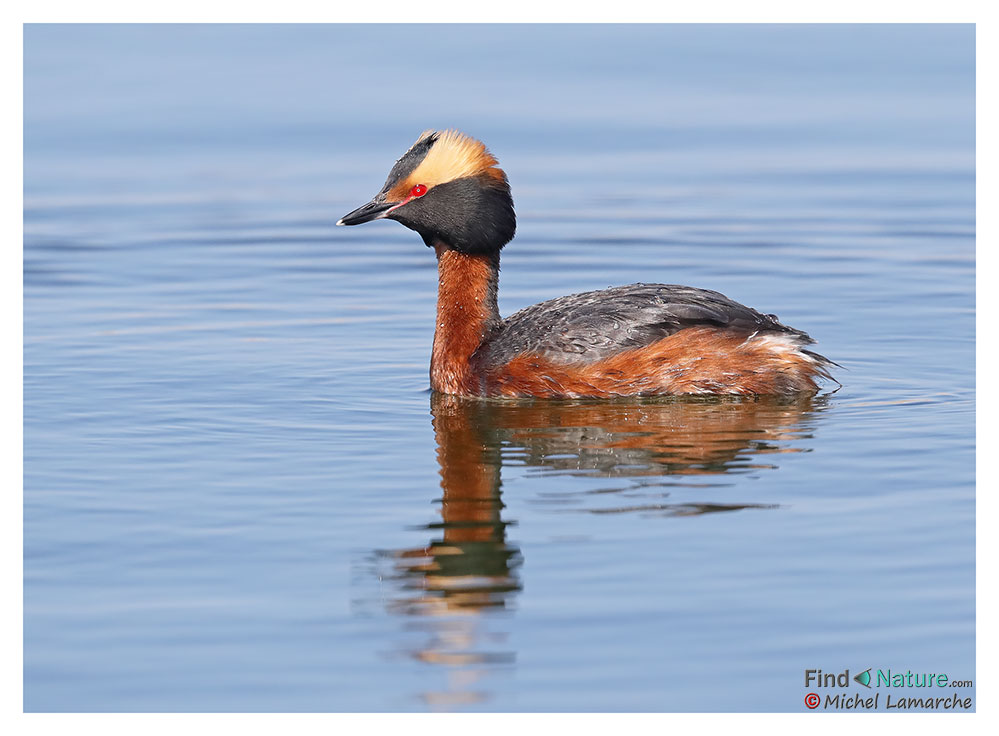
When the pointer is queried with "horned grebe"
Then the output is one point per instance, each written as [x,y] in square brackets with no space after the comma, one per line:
[643,339]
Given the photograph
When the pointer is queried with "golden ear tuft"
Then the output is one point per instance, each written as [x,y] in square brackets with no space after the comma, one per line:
[453,155]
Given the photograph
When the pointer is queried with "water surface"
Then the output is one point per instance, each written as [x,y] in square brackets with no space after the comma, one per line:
[241,495]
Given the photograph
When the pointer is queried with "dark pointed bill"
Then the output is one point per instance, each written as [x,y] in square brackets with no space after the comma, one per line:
[373,210]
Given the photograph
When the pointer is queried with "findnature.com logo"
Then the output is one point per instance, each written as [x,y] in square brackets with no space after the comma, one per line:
[930,697]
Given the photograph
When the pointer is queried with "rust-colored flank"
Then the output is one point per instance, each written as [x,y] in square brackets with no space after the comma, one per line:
[698,360]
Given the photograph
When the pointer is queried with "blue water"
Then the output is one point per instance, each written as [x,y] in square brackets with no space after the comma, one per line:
[240,494]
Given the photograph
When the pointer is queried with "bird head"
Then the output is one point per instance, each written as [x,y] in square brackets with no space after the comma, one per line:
[449,189]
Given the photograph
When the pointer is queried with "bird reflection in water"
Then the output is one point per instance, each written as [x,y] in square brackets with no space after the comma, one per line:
[472,568]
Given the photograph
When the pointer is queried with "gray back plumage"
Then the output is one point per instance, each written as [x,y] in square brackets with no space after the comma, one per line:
[597,324]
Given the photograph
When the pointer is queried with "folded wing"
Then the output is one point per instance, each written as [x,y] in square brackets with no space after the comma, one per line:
[597,324]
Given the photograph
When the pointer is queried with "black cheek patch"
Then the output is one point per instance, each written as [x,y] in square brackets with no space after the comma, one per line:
[472,214]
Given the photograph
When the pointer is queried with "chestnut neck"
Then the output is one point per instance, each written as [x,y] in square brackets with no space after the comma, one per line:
[466,312]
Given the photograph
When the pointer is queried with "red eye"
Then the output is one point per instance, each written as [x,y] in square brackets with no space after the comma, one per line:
[418,191]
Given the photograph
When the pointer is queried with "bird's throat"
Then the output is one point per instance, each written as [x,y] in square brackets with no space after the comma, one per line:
[466,312]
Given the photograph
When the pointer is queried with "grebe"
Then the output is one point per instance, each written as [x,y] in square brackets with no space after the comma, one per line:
[643,339]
